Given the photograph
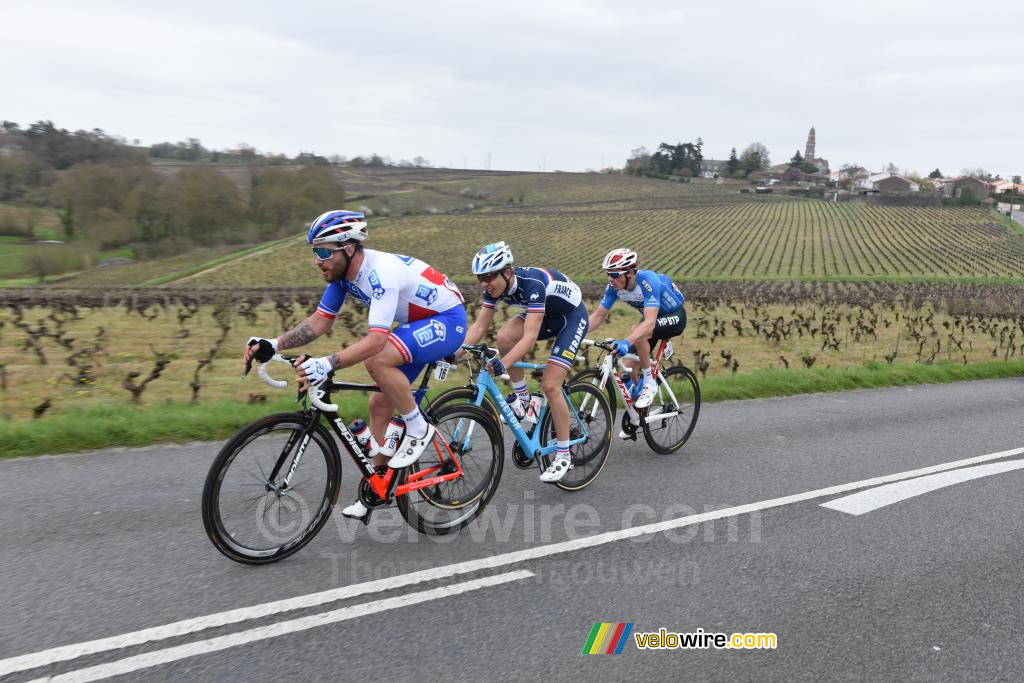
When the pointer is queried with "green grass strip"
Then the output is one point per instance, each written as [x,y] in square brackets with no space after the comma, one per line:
[107,426]
[782,382]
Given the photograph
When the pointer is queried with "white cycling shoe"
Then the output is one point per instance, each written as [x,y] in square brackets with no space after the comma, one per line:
[411,448]
[355,511]
[557,470]
[647,393]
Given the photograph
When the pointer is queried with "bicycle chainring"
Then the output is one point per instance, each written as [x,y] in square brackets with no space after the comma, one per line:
[519,458]
[628,427]
[367,496]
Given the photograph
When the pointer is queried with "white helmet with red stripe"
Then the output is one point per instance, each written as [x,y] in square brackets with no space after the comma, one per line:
[619,259]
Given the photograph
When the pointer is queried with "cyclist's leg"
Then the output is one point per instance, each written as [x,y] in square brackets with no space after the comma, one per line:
[559,365]
[509,334]
[418,343]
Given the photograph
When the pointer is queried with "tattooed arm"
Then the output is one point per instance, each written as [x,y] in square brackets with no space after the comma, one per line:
[303,333]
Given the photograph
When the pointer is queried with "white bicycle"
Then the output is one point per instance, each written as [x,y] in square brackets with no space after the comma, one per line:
[669,421]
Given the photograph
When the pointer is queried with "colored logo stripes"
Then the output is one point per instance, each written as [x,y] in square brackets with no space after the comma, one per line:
[607,639]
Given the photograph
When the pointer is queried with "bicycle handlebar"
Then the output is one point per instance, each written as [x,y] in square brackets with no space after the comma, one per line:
[486,353]
[607,344]
[281,384]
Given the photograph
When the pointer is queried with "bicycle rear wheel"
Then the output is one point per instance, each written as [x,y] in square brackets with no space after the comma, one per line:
[593,375]
[248,515]
[468,435]
[588,412]
[679,399]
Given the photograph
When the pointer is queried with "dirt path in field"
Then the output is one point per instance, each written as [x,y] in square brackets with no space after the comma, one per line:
[213,269]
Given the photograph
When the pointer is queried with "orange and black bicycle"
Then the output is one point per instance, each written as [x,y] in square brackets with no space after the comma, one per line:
[273,485]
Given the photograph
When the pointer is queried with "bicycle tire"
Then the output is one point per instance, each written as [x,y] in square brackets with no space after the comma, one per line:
[461,396]
[589,457]
[593,375]
[230,541]
[669,436]
[443,508]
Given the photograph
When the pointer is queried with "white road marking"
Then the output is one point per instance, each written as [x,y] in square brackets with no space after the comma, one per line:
[147,660]
[66,652]
[872,499]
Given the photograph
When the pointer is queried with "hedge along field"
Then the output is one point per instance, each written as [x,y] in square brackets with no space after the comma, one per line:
[65,350]
[781,239]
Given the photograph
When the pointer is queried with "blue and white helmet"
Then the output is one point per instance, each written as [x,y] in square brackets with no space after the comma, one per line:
[337,226]
[492,258]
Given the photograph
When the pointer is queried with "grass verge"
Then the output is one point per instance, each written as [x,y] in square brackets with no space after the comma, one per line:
[106,426]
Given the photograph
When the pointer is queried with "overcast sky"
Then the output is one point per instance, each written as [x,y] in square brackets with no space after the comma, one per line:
[557,84]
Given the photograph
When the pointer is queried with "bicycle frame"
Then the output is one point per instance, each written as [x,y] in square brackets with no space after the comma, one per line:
[610,369]
[530,445]
[384,485]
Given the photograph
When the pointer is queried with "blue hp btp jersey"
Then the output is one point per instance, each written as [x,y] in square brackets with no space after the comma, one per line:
[652,290]
[541,289]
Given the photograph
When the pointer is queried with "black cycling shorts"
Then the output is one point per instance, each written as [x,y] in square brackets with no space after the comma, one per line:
[667,326]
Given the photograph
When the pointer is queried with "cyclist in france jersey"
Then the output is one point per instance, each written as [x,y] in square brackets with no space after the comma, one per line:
[416,316]
[554,308]
[656,297]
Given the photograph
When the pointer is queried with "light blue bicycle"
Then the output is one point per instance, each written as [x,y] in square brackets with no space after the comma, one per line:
[590,422]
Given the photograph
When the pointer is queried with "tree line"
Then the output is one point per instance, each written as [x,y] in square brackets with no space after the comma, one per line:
[684,160]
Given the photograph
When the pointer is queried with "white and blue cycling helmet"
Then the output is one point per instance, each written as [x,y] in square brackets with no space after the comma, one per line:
[337,226]
[492,258]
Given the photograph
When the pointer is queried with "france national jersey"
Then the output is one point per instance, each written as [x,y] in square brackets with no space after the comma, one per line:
[541,289]
[651,290]
[396,288]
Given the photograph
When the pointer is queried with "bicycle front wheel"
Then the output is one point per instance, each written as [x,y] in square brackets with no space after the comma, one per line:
[678,400]
[593,376]
[469,438]
[589,413]
[250,515]
[461,396]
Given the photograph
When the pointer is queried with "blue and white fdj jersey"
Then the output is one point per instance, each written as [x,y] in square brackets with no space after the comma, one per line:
[651,290]
[396,288]
[541,290]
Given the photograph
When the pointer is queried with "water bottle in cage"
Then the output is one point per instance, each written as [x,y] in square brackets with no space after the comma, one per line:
[393,436]
[533,412]
[516,405]
[364,437]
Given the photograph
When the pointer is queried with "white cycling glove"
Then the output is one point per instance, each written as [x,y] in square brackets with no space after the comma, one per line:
[316,369]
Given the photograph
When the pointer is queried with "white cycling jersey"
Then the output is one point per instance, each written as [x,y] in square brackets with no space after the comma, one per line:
[396,288]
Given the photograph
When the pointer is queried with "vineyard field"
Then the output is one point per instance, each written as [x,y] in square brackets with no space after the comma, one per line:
[783,239]
[60,350]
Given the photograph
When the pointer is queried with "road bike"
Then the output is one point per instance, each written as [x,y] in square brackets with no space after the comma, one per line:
[273,485]
[590,430]
[670,419]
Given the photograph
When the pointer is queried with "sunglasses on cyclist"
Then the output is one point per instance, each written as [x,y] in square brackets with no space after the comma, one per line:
[323,253]
[487,277]
[615,275]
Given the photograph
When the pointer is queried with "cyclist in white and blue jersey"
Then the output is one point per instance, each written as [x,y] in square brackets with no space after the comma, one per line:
[554,308]
[416,316]
[659,301]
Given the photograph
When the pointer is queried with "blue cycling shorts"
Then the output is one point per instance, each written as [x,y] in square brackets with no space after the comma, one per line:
[568,331]
[428,340]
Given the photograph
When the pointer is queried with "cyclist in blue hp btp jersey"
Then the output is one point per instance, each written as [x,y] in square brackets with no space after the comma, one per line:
[656,297]
[554,308]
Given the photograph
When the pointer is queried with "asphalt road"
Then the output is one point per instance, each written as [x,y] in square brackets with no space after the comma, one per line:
[927,585]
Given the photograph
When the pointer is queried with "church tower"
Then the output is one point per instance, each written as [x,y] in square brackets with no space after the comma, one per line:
[809,151]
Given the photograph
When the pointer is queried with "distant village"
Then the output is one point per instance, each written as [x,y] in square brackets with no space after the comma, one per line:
[861,182]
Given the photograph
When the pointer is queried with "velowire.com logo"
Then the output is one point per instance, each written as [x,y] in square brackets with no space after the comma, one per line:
[607,639]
